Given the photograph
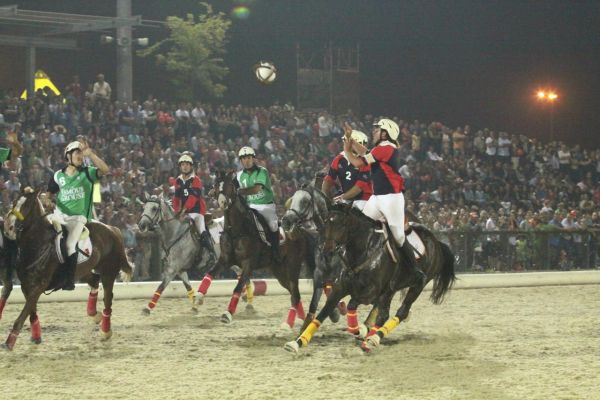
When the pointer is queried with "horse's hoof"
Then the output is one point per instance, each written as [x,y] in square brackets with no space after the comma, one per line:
[104,336]
[145,311]
[36,340]
[6,347]
[95,318]
[334,316]
[362,330]
[199,299]
[250,308]
[364,347]
[226,318]
[292,347]
[372,341]
[286,327]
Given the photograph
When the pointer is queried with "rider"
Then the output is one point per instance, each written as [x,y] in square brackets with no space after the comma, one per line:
[355,182]
[387,200]
[255,184]
[188,201]
[74,185]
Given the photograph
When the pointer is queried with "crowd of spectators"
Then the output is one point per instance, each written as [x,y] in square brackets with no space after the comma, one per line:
[457,179]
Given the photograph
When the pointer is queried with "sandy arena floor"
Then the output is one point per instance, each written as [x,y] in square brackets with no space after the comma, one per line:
[521,343]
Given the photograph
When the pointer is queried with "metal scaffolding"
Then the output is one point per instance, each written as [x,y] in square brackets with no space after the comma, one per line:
[43,29]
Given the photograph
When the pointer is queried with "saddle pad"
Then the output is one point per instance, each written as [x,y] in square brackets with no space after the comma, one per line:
[83,248]
[416,242]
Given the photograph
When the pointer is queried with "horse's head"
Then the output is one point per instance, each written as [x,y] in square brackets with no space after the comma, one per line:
[23,213]
[225,189]
[338,226]
[156,210]
[301,209]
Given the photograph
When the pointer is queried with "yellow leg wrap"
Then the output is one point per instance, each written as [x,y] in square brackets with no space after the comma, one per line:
[249,293]
[190,295]
[309,332]
[389,326]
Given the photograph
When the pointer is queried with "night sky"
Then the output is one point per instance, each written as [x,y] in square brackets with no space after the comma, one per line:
[459,62]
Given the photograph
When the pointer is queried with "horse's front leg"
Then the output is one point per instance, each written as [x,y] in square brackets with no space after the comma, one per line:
[338,292]
[354,327]
[29,309]
[92,311]
[382,305]
[227,316]
[169,275]
[6,289]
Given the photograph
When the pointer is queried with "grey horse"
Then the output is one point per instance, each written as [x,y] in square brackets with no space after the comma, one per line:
[181,248]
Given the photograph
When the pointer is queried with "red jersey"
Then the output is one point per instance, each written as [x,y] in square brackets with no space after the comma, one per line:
[348,176]
[385,162]
[188,194]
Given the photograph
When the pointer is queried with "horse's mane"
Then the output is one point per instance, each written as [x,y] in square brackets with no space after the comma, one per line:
[348,209]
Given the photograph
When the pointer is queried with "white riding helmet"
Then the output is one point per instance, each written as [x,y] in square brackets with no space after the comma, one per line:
[185,158]
[359,137]
[72,147]
[246,151]
[389,126]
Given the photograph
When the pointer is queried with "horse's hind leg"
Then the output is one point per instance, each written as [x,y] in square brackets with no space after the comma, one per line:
[354,327]
[108,283]
[169,275]
[296,310]
[188,288]
[92,311]
[391,323]
[36,327]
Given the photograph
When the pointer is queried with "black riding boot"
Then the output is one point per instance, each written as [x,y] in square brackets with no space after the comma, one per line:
[274,240]
[70,267]
[408,253]
[207,244]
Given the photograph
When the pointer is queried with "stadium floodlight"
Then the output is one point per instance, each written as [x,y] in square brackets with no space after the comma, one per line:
[142,42]
[105,39]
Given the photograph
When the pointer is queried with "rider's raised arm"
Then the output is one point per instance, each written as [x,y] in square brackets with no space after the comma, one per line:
[103,168]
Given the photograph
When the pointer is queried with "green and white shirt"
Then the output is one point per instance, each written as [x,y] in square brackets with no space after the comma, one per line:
[4,154]
[74,192]
[250,178]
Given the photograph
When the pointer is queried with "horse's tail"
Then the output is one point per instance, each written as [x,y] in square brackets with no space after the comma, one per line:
[126,267]
[445,278]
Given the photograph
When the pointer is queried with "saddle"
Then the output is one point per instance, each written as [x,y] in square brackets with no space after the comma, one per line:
[411,235]
[83,246]
[262,226]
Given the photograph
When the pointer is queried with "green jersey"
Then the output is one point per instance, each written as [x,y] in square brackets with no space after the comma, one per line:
[75,192]
[250,178]
[4,154]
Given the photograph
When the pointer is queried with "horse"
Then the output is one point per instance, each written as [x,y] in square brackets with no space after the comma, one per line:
[307,210]
[242,245]
[372,276]
[38,266]
[8,259]
[179,243]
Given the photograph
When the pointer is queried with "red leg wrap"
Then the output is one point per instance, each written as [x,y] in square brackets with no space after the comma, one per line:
[205,284]
[233,302]
[291,318]
[352,318]
[91,304]
[300,309]
[36,330]
[105,324]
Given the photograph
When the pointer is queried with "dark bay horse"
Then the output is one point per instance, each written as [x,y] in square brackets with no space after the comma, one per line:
[38,264]
[370,275]
[8,260]
[241,245]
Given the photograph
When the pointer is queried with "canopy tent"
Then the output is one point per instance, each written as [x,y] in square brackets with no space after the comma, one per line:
[42,80]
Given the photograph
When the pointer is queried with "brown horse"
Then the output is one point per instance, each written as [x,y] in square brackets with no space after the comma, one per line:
[38,266]
[8,258]
[241,245]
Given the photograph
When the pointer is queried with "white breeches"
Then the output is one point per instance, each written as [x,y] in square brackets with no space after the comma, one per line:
[198,221]
[388,207]
[75,225]
[269,211]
